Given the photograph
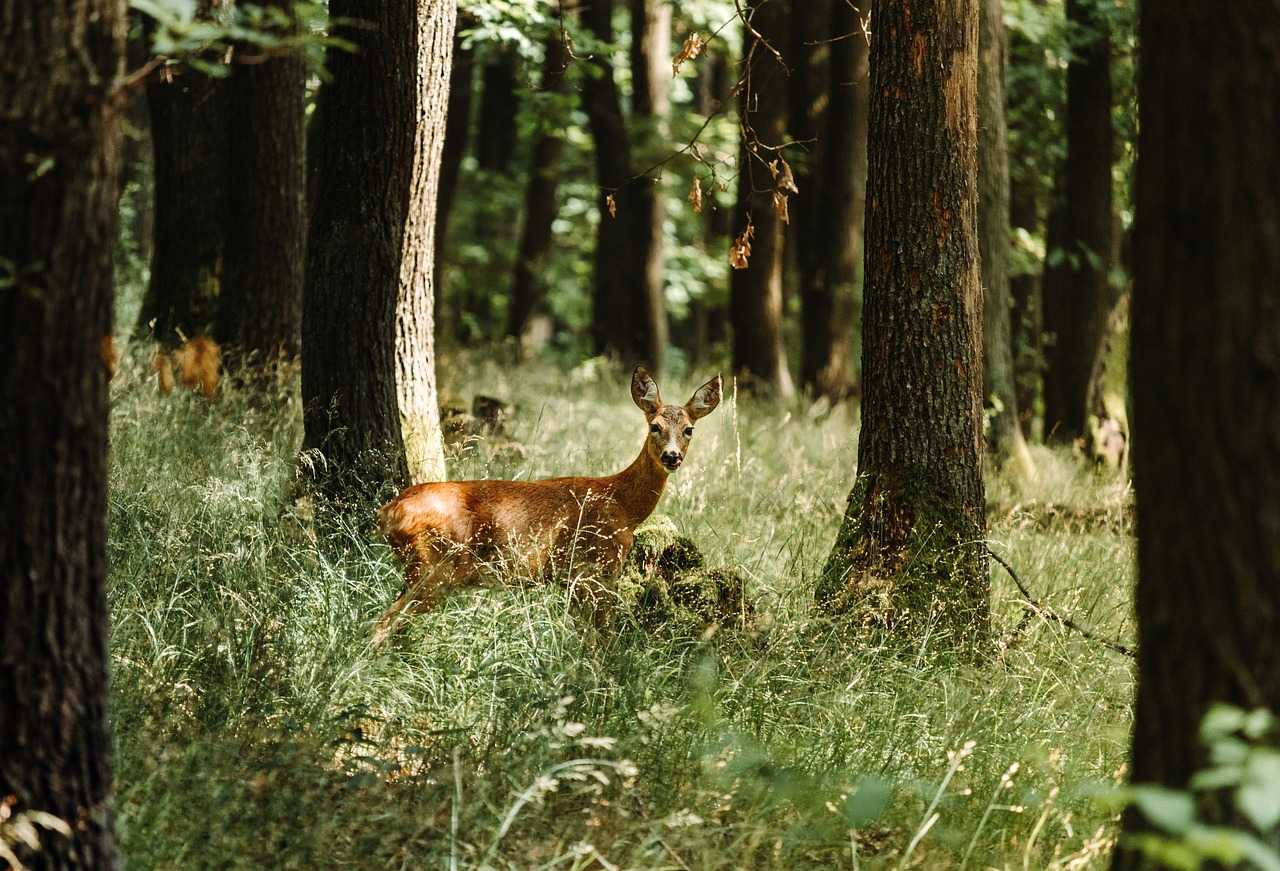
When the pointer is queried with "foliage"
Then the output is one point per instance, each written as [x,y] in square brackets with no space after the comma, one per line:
[255,727]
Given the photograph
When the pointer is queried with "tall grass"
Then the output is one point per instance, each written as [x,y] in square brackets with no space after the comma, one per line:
[255,727]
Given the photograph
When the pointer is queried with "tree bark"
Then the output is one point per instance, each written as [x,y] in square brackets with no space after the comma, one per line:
[1025,316]
[830,297]
[367,365]
[189,134]
[621,319]
[650,104]
[1005,435]
[914,530]
[1205,375]
[528,289]
[260,309]
[1076,294]
[456,133]
[755,293]
[60,153]
[496,142]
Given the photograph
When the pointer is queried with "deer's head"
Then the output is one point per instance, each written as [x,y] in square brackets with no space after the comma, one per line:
[671,426]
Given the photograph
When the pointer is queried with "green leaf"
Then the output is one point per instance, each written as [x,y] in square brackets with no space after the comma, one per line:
[867,801]
[1259,795]
[1219,722]
[1219,777]
[1170,809]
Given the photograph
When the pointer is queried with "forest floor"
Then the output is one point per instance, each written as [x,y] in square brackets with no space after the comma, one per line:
[256,728]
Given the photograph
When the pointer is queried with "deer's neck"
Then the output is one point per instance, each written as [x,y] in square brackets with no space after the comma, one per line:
[638,487]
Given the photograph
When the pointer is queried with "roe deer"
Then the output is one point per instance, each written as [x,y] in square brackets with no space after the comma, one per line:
[447,532]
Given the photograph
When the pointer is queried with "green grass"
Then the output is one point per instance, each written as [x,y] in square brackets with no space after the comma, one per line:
[255,727]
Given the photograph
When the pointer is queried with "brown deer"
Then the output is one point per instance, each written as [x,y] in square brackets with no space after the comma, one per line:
[448,533]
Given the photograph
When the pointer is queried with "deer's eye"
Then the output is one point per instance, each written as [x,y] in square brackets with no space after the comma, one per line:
[655,429]
[688,431]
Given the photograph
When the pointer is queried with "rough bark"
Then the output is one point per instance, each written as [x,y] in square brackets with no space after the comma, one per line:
[1206,424]
[189,134]
[528,290]
[1076,293]
[912,536]
[650,104]
[831,299]
[260,309]
[620,318]
[366,357]
[499,104]
[1004,437]
[456,133]
[755,293]
[60,152]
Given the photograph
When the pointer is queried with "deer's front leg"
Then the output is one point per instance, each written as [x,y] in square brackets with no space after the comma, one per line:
[432,570]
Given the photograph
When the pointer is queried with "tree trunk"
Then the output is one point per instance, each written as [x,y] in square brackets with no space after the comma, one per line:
[1076,294]
[528,289]
[368,381]
[60,152]
[456,133]
[914,530]
[260,310]
[1205,375]
[621,316]
[189,134]
[1028,368]
[650,104]
[1005,436]
[496,142]
[809,91]
[831,299]
[755,294]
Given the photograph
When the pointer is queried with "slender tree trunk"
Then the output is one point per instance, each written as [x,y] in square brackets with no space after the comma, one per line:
[650,104]
[367,368]
[1076,293]
[1005,436]
[189,134]
[260,310]
[457,132]
[755,300]
[1205,374]
[59,113]
[1028,369]
[496,139]
[528,289]
[809,87]
[620,319]
[831,301]
[916,515]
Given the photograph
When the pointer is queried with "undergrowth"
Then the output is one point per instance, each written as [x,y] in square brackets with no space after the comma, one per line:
[255,727]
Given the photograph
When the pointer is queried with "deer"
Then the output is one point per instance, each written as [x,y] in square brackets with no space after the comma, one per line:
[449,533]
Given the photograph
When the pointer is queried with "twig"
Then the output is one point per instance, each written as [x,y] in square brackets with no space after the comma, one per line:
[1055,616]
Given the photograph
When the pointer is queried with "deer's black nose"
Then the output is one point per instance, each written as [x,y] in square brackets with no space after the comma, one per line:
[671,459]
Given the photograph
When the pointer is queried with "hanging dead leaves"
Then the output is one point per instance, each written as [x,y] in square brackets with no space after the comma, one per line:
[611,203]
[740,251]
[784,184]
[692,47]
[695,195]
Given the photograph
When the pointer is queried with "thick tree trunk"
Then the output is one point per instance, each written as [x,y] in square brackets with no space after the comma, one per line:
[621,316]
[1205,375]
[755,295]
[58,113]
[1028,369]
[914,530]
[528,289]
[456,133]
[831,299]
[366,357]
[189,134]
[1005,435]
[496,138]
[650,104]
[260,310]
[1077,298]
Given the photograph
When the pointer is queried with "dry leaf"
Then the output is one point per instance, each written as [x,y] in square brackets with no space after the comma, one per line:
[740,251]
[784,184]
[199,362]
[611,202]
[692,47]
[695,195]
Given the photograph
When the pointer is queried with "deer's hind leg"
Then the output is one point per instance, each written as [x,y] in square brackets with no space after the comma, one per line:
[432,568]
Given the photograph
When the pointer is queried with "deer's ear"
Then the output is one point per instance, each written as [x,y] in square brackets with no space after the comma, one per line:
[644,391]
[704,399]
